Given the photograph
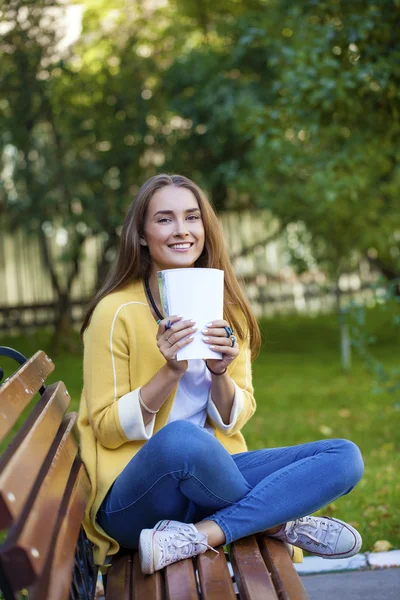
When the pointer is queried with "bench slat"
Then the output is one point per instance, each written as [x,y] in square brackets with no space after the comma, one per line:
[283,573]
[251,575]
[215,579]
[119,578]
[28,450]
[55,582]
[180,581]
[18,390]
[148,587]
[25,551]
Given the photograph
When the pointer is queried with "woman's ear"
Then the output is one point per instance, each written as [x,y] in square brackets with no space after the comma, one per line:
[143,242]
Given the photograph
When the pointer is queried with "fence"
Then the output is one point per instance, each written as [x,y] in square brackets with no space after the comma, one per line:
[257,250]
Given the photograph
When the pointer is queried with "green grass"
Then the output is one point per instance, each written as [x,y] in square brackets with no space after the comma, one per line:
[303,395]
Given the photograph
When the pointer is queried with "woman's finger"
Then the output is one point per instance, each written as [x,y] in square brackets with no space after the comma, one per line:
[217,324]
[226,350]
[214,331]
[168,322]
[169,351]
[173,337]
[178,329]
[218,328]
[219,341]
[177,325]
[227,358]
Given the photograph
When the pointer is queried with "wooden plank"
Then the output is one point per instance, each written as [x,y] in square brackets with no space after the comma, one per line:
[284,575]
[180,581]
[145,586]
[21,462]
[55,583]
[214,576]
[119,578]
[24,553]
[19,389]
[251,575]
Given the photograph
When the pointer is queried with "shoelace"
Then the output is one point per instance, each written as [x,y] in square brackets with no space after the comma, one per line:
[185,541]
[302,527]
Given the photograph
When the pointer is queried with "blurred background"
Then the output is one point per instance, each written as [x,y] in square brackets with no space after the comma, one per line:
[288,114]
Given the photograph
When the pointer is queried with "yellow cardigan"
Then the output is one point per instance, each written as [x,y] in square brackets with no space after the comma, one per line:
[120,356]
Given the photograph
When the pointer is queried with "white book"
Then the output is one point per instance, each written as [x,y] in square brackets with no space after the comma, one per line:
[196,294]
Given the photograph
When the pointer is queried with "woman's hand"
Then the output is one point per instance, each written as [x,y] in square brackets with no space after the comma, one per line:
[218,340]
[174,334]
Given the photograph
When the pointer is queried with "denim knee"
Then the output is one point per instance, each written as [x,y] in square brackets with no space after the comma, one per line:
[182,443]
[179,431]
[351,464]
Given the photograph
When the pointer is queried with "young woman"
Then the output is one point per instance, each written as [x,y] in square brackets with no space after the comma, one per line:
[161,438]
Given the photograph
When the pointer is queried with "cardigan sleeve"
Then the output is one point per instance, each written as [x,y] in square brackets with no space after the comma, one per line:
[112,401]
[237,407]
[244,404]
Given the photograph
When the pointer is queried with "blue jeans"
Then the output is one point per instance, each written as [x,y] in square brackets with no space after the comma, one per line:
[184,473]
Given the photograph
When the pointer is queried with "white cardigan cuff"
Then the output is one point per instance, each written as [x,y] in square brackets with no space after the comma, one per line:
[131,417]
[237,407]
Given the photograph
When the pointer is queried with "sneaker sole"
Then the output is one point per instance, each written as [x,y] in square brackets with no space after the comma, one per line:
[146,551]
[146,555]
[355,550]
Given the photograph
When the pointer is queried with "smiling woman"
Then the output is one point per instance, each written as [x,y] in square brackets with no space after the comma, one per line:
[173,230]
[160,437]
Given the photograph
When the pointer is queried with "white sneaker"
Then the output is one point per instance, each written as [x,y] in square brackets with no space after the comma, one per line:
[168,542]
[322,536]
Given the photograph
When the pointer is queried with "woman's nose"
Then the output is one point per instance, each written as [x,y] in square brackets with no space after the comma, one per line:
[181,228]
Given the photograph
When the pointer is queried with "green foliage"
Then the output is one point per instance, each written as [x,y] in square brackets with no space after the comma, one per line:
[333,135]
[292,106]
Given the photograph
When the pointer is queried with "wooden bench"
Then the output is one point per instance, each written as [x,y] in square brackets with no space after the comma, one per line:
[256,568]
[43,489]
[43,493]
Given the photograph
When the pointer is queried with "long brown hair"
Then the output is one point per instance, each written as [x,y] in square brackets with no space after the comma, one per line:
[134,262]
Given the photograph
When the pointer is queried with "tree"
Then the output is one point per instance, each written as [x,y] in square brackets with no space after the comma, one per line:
[74,134]
[294,107]
[214,86]
[267,103]
[37,187]
[333,136]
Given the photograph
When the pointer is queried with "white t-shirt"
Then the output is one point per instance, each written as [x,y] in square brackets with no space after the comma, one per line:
[191,399]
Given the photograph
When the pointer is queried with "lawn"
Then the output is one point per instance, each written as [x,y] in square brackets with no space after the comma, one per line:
[303,395]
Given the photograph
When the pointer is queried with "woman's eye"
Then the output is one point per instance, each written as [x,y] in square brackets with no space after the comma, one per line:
[163,220]
[193,217]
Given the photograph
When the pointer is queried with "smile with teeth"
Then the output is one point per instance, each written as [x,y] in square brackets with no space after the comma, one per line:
[182,246]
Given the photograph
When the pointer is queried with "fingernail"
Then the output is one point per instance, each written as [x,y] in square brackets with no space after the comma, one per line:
[205,339]
[204,331]
[209,324]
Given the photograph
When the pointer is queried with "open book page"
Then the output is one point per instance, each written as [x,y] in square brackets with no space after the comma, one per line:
[195,294]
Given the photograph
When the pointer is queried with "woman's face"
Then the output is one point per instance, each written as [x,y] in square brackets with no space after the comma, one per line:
[173,229]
